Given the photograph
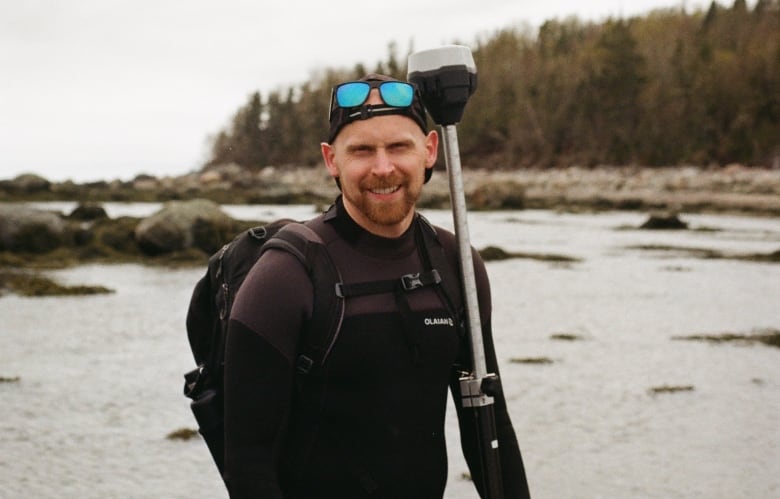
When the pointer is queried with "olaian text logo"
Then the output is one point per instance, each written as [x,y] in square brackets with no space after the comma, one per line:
[439,321]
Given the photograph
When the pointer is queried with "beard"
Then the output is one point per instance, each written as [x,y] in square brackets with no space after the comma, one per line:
[385,212]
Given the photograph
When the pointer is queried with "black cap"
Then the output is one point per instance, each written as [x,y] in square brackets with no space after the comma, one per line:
[341,116]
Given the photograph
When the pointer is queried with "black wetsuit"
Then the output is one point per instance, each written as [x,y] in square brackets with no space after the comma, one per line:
[377,427]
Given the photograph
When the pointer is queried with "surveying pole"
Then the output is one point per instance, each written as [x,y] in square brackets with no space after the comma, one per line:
[446,77]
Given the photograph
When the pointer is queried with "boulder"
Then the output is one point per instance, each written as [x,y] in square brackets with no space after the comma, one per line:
[87,212]
[30,183]
[183,224]
[26,229]
[664,221]
[497,196]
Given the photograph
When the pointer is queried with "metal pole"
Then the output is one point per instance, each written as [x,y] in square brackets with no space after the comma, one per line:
[459,214]
[471,386]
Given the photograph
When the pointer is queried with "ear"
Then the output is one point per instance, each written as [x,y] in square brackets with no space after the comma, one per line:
[431,148]
[328,153]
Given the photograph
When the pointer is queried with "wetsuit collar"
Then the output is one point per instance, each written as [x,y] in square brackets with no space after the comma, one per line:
[353,233]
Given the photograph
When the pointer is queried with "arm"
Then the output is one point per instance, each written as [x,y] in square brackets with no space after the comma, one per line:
[513,471]
[263,332]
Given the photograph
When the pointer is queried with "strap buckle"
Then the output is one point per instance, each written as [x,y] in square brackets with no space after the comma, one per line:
[304,364]
[413,281]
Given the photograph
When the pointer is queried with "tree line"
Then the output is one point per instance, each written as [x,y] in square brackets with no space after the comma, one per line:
[666,88]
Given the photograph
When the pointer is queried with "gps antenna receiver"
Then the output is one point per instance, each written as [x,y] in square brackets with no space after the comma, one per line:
[446,77]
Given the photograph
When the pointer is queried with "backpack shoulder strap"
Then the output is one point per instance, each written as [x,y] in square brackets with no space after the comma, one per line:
[318,338]
[227,270]
[434,257]
[450,291]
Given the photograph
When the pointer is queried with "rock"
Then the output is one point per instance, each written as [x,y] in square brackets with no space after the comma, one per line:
[498,196]
[227,176]
[664,221]
[145,183]
[179,225]
[30,183]
[232,172]
[87,212]
[492,253]
[183,434]
[26,229]
[210,177]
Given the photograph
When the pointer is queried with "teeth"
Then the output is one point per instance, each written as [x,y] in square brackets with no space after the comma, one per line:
[385,190]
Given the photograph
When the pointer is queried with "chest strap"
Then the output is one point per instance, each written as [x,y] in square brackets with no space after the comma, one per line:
[408,282]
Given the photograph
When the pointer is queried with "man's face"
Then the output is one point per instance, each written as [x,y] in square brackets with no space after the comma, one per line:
[380,163]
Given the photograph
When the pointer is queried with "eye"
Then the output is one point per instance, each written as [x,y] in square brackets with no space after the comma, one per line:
[361,149]
[400,146]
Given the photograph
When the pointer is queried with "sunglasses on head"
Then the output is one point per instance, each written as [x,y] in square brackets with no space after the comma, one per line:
[355,93]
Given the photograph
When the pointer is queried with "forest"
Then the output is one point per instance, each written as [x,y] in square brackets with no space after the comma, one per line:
[666,88]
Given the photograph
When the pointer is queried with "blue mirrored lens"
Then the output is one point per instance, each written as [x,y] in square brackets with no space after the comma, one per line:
[396,93]
[352,94]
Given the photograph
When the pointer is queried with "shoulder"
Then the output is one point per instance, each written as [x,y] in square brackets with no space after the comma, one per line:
[275,269]
[449,242]
[320,226]
[444,236]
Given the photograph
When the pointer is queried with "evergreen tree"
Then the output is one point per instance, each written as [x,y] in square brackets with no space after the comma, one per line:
[666,88]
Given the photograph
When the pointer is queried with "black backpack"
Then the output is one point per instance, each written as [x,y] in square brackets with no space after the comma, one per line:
[209,312]
[212,299]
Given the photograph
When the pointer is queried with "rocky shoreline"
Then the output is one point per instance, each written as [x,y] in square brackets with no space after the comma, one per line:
[191,225]
[734,189]
[731,189]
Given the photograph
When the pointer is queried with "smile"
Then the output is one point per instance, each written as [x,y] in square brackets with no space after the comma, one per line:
[385,190]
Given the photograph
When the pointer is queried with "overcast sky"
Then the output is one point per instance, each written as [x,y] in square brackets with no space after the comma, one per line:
[105,89]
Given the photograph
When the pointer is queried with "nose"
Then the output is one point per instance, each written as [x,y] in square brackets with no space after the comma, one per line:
[383,164]
[374,98]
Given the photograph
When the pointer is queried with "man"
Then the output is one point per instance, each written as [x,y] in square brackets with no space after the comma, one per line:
[376,425]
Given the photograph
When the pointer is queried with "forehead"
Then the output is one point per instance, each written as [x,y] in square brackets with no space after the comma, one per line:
[380,129]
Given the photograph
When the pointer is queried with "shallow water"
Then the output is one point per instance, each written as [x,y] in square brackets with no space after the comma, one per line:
[100,376]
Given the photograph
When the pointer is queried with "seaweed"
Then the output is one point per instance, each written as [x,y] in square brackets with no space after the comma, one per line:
[492,253]
[656,390]
[769,337]
[565,337]
[33,284]
[531,360]
[182,434]
[710,254]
